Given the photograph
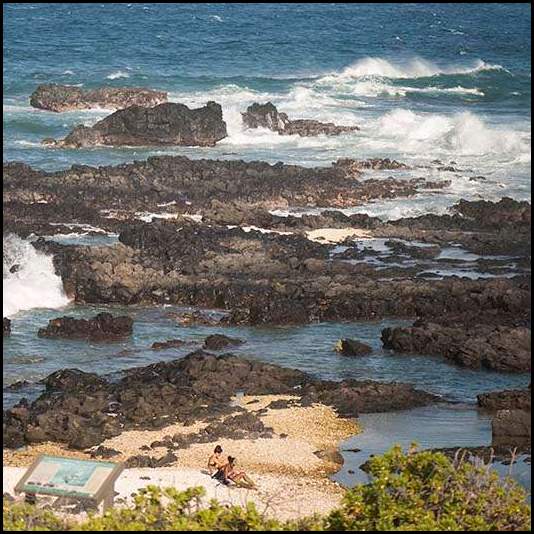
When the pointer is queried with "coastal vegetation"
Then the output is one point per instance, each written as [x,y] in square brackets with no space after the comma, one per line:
[408,491]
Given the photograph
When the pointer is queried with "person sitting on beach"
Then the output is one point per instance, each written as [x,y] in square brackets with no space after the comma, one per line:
[216,462]
[238,477]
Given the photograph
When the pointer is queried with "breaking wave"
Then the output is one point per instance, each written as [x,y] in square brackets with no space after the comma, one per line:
[29,279]
[415,68]
[462,133]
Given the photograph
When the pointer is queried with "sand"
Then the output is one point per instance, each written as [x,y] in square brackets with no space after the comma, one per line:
[293,481]
[336,235]
[277,496]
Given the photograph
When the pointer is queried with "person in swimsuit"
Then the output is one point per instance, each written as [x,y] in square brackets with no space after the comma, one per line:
[238,477]
[216,461]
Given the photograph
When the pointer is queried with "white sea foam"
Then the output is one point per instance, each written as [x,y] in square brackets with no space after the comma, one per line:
[117,74]
[461,134]
[14,108]
[414,68]
[147,216]
[34,284]
[378,88]
[24,142]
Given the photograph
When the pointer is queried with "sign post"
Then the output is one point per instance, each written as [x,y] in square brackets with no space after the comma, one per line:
[86,480]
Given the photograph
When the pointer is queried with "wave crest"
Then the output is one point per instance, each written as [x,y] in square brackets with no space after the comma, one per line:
[377,67]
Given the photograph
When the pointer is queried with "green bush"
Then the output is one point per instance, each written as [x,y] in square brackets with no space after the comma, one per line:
[410,492]
[427,491]
[25,517]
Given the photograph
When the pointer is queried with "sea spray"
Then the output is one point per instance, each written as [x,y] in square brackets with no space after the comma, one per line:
[458,134]
[29,279]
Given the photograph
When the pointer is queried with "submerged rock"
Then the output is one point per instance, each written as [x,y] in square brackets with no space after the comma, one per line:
[219,342]
[267,116]
[169,344]
[6,326]
[100,328]
[352,347]
[164,124]
[196,317]
[54,97]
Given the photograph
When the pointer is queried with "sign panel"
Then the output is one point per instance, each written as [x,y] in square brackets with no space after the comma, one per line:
[69,477]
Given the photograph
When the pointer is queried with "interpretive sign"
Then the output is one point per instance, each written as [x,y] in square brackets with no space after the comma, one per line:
[70,477]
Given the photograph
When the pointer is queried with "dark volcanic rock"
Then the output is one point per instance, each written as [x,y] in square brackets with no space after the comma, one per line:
[101,328]
[352,397]
[331,455]
[219,342]
[353,347]
[499,348]
[512,399]
[195,317]
[274,292]
[258,278]
[18,385]
[82,410]
[309,128]
[55,97]
[149,461]
[72,379]
[144,185]
[512,418]
[104,452]
[483,227]
[398,247]
[6,328]
[165,124]
[241,426]
[267,116]
[511,427]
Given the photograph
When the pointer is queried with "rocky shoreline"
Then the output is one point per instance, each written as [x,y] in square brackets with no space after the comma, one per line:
[84,409]
[60,98]
[161,125]
[210,235]
[267,116]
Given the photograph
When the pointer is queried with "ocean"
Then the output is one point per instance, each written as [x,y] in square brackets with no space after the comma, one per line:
[447,81]
[423,82]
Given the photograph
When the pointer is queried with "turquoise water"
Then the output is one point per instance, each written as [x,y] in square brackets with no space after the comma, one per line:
[309,348]
[428,427]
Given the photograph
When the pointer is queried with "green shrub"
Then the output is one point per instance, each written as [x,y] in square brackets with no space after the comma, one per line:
[410,492]
[427,491]
[25,517]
